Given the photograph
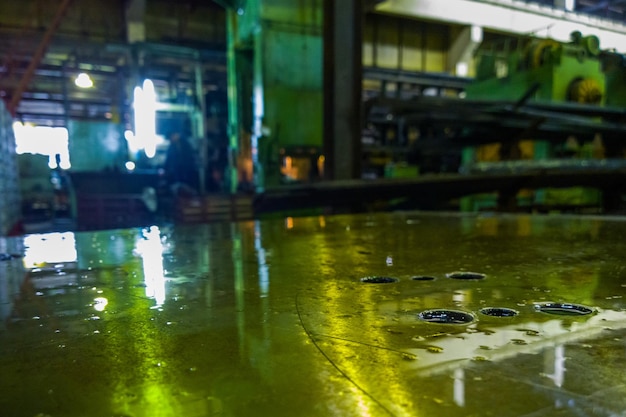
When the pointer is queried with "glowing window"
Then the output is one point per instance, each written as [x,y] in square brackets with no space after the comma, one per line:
[43,140]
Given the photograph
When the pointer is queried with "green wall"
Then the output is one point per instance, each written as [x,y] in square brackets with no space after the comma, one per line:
[293,87]
[95,146]
[279,56]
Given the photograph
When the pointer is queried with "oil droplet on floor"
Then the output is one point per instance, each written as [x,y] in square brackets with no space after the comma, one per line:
[466,275]
[563,309]
[422,278]
[379,280]
[446,316]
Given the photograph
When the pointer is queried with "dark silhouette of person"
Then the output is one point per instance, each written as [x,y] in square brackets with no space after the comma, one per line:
[180,166]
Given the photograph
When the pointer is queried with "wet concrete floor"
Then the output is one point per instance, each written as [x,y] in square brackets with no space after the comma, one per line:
[368,315]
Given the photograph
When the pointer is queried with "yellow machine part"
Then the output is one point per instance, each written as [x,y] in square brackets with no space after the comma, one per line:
[536,54]
[585,90]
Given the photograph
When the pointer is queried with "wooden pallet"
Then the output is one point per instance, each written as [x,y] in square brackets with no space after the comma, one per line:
[214,208]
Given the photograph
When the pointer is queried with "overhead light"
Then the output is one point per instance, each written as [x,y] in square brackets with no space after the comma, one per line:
[83,80]
[144,102]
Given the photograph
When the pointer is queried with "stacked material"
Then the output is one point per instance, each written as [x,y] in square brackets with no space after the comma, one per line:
[9,185]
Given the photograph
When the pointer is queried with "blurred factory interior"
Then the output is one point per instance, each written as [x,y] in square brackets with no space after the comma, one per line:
[307,106]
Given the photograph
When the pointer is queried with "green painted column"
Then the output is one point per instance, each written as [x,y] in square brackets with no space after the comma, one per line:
[275,89]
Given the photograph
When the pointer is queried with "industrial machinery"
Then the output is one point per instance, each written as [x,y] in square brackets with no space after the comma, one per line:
[539,70]
[543,70]
[536,107]
[563,71]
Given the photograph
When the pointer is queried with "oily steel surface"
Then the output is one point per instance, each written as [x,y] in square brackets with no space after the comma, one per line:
[355,315]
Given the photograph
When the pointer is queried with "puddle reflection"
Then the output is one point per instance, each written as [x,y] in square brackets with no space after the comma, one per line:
[49,249]
[150,248]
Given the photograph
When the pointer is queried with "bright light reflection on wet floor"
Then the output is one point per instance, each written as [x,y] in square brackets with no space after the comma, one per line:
[370,315]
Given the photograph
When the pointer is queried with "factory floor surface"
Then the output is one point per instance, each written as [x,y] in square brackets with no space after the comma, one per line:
[405,314]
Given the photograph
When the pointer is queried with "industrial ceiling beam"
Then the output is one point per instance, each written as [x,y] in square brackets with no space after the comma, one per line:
[594,8]
[511,16]
[600,6]
[39,54]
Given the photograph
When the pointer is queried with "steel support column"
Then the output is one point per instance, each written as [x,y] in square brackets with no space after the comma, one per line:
[199,115]
[135,21]
[462,50]
[343,36]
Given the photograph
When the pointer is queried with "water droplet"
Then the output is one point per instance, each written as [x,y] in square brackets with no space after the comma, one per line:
[519,342]
[434,349]
[409,357]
